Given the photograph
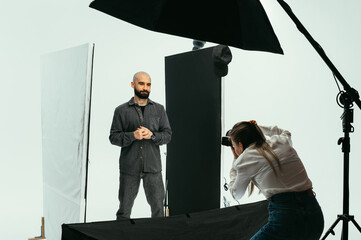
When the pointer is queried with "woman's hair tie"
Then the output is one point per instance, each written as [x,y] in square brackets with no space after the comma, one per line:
[253,122]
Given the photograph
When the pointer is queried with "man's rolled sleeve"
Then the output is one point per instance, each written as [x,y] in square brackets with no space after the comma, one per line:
[117,135]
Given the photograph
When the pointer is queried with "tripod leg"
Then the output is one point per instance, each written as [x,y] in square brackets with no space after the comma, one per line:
[330,230]
[356,225]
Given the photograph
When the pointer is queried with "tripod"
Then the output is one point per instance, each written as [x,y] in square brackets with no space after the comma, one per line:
[347,119]
[346,99]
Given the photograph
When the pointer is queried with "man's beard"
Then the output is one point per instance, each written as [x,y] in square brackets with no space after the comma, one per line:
[142,95]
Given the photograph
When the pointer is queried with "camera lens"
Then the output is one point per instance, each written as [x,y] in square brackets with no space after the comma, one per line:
[226,141]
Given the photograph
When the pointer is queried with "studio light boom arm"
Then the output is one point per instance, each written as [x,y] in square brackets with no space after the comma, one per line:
[350,91]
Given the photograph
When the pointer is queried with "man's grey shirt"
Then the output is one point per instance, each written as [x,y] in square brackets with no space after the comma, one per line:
[140,155]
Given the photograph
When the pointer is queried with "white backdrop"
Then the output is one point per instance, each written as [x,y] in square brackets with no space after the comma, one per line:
[295,91]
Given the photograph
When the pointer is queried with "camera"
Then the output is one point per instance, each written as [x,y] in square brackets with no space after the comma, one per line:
[226,140]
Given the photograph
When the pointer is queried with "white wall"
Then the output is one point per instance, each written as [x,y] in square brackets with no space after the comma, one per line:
[295,91]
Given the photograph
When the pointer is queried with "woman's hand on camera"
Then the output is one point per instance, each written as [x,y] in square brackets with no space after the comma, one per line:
[234,153]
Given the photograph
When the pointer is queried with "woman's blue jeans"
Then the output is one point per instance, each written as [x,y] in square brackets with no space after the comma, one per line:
[292,216]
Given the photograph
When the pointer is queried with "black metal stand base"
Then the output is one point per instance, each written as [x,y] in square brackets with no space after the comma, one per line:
[344,217]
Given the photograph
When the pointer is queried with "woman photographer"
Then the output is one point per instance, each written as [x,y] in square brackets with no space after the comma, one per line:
[274,167]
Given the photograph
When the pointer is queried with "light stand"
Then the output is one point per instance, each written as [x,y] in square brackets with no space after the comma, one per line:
[347,119]
[347,98]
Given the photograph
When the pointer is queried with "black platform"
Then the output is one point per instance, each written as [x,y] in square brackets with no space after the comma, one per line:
[237,222]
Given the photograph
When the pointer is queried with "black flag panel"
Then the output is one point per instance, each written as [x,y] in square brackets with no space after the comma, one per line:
[193,97]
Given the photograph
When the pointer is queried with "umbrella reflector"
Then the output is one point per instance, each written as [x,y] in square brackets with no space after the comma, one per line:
[239,23]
